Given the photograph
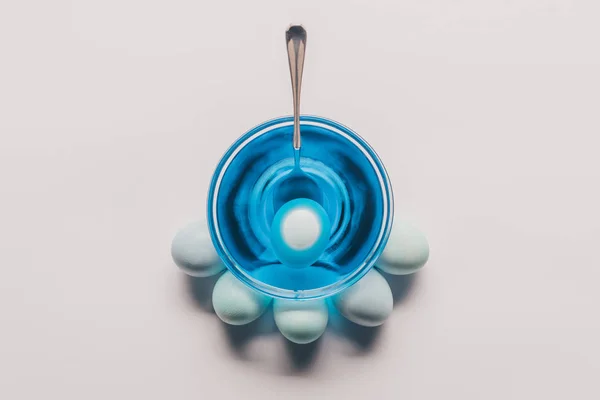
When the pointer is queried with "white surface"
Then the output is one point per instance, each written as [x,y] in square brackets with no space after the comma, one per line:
[114,113]
[300,228]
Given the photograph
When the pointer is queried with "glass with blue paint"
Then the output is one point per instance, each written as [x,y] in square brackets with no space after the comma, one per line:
[313,237]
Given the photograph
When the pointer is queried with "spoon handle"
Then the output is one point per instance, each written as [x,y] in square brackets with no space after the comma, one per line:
[295,40]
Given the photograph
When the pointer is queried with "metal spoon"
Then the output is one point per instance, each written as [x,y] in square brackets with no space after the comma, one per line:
[296,184]
[295,39]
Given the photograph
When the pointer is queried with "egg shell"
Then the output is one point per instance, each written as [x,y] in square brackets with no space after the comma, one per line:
[368,302]
[301,322]
[236,303]
[300,232]
[406,251]
[193,251]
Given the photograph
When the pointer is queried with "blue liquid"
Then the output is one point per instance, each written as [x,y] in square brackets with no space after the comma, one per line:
[344,180]
[297,157]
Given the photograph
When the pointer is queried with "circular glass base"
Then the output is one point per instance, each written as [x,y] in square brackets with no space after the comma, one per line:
[262,172]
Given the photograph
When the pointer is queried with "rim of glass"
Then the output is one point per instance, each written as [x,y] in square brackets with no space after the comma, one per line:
[325,291]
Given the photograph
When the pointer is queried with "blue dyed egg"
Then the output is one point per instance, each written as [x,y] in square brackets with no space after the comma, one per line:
[301,322]
[236,303]
[193,251]
[368,302]
[300,232]
[406,252]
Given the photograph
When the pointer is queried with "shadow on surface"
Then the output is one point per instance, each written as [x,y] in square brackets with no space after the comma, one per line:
[239,335]
[302,356]
[402,286]
[363,338]
[200,291]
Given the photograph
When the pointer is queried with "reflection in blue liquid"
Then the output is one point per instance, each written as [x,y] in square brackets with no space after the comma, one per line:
[343,180]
